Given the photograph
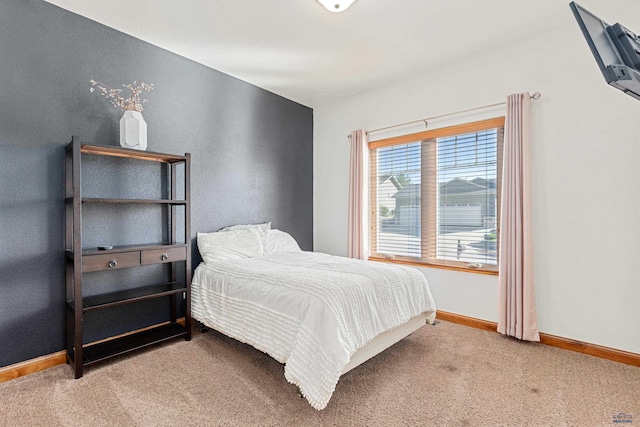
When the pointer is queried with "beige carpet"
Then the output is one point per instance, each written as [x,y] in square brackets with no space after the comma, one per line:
[443,375]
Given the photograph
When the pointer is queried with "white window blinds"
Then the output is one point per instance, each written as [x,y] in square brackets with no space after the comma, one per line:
[434,195]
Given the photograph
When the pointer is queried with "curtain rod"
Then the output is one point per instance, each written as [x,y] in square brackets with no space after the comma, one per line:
[536,95]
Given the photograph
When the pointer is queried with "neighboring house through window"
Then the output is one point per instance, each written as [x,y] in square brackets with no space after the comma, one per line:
[435,196]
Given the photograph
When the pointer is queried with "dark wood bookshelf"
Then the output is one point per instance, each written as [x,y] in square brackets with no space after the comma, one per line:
[81,261]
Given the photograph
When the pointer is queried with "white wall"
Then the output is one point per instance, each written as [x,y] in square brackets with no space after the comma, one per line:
[586,178]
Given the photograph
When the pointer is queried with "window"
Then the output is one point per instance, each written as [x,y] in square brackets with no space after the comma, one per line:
[435,196]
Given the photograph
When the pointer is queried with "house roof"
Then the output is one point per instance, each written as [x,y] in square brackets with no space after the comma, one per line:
[383,178]
[459,185]
[453,186]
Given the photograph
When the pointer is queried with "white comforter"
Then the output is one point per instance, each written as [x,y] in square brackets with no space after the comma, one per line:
[308,310]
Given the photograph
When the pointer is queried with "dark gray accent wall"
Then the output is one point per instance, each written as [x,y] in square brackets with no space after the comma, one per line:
[251,151]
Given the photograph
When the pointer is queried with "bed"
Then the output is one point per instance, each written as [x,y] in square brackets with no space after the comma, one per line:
[320,315]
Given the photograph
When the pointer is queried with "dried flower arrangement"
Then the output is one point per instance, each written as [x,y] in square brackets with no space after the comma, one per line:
[132,103]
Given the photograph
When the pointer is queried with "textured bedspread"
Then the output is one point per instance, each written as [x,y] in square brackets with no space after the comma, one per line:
[308,310]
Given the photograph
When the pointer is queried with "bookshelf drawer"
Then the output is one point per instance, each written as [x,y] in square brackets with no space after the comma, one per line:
[156,256]
[111,261]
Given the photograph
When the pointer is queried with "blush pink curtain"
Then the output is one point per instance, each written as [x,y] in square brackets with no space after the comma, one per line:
[517,303]
[358,240]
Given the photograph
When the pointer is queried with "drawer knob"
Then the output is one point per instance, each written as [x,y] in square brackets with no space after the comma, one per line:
[113,263]
[164,257]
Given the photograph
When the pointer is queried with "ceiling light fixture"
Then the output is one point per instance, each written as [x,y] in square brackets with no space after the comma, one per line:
[336,5]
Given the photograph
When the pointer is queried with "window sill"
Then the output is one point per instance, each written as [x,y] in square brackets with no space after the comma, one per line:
[439,266]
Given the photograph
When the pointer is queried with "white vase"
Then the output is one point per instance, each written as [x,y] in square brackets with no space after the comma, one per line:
[133,130]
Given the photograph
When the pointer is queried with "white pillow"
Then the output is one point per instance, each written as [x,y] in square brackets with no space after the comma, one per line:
[235,244]
[279,241]
[262,229]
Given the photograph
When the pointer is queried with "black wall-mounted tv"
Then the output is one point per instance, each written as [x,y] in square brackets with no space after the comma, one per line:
[615,48]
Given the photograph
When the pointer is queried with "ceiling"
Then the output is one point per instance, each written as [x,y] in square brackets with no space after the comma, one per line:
[299,50]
